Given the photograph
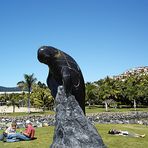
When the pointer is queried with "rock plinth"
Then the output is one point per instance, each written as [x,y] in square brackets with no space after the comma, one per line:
[72,128]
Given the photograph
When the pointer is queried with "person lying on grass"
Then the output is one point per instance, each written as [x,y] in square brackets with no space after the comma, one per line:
[124,133]
[26,135]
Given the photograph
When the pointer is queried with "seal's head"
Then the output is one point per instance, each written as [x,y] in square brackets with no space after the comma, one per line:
[46,54]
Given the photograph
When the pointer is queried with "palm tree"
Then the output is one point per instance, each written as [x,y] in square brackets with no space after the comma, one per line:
[12,100]
[27,83]
[21,85]
[91,93]
[41,97]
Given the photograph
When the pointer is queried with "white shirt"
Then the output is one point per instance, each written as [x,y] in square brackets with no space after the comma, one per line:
[10,130]
[123,133]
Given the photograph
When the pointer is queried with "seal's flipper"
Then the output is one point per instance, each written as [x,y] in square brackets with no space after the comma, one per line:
[66,78]
[52,84]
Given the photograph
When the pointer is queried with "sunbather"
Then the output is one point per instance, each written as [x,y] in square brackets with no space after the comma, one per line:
[125,133]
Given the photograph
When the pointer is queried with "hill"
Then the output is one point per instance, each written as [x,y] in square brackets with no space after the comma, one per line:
[134,71]
[9,89]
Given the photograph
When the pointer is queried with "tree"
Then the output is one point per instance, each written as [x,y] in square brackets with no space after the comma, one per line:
[91,93]
[41,85]
[41,96]
[131,91]
[142,90]
[13,100]
[28,82]
[107,90]
[3,99]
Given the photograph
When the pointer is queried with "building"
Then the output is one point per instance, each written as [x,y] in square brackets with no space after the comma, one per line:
[134,71]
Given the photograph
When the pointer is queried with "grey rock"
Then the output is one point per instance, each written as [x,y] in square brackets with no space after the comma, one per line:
[72,128]
[20,125]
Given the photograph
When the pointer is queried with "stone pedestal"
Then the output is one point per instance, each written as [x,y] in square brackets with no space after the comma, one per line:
[72,128]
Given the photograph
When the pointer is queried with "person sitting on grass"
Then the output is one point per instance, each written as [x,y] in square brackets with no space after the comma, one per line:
[124,133]
[9,132]
[26,135]
[29,132]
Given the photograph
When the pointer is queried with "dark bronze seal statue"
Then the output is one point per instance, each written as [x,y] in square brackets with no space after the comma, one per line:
[63,70]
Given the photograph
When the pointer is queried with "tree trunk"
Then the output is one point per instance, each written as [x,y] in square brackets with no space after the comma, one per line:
[89,104]
[29,103]
[106,107]
[135,104]
[13,108]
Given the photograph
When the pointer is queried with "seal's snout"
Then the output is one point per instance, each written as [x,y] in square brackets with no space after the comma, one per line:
[40,55]
[44,54]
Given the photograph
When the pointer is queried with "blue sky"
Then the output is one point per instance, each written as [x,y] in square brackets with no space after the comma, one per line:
[105,37]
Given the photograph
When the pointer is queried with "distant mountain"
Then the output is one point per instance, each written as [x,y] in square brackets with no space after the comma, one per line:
[9,89]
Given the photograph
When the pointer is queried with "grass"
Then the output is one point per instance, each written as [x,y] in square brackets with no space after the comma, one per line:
[113,141]
[96,109]
[45,135]
[24,113]
[44,139]
[92,109]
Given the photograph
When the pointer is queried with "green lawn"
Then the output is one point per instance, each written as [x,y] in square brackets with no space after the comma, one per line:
[45,135]
[24,113]
[44,139]
[93,109]
[113,141]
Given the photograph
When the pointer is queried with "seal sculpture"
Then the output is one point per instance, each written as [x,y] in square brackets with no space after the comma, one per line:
[63,70]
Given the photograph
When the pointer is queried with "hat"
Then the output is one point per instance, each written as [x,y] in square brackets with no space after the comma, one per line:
[28,121]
